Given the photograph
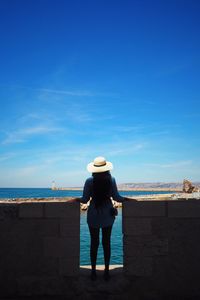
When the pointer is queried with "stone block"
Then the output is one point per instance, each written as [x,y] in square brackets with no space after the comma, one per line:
[184,209]
[144,209]
[61,247]
[160,246]
[29,265]
[31,226]
[160,226]
[136,226]
[161,271]
[40,286]
[62,210]
[20,247]
[69,266]
[69,227]
[184,227]
[8,211]
[139,266]
[145,246]
[184,263]
[8,287]
[46,227]
[31,210]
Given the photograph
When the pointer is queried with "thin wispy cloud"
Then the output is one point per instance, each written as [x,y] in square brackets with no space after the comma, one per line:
[126,129]
[78,93]
[65,92]
[162,133]
[79,116]
[22,135]
[68,92]
[177,164]
[6,157]
[33,116]
[79,112]
[122,148]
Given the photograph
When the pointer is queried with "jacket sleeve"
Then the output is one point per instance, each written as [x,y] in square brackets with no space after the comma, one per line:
[86,191]
[115,194]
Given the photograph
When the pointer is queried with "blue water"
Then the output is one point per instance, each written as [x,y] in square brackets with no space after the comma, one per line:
[116,240]
[47,192]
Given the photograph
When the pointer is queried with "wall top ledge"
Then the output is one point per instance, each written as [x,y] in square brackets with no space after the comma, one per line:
[66,199]
[164,200]
[34,200]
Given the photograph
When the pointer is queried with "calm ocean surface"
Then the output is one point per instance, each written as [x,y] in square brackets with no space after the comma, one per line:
[116,256]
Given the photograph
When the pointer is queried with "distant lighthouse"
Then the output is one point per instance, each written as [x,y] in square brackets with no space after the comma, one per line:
[53,187]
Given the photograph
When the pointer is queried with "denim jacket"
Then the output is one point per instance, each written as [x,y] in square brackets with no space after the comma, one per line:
[101,217]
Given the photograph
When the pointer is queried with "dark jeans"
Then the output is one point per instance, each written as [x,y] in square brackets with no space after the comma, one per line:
[94,235]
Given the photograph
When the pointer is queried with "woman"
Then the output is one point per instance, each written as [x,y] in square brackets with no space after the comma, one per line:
[99,188]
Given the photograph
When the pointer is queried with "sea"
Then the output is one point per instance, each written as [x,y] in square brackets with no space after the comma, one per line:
[116,238]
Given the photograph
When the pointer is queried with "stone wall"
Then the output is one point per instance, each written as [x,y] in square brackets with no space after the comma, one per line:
[162,245]
[40,250]
[39,247]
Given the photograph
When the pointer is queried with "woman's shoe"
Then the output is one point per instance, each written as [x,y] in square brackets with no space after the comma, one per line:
[106,275]
[93,275]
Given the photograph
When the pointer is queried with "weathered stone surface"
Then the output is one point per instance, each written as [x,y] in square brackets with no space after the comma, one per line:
[20,248]
[185,227]
[160,227]
[8,287]
[8,211]
[144,246]
[35,286]
[143,209]
[29,265]
[24,227]
[136,226]
[61,247]
[114,289]
[31,210]
[69,266]
[138,266]
[69,228]
[62,210]
[81,287]
[184,257]
[184,209]
[40,255]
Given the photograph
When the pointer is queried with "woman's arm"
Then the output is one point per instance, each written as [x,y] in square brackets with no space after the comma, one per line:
[86,191]
[115,194]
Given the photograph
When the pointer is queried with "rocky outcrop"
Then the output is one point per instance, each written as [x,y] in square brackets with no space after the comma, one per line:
[188,187]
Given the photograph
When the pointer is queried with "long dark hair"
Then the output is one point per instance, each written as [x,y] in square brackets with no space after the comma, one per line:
[101,188]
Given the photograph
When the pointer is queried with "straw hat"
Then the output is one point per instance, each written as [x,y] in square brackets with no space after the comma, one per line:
[99,165]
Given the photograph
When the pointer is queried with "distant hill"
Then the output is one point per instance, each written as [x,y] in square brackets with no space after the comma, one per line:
[142,186]
[154,185]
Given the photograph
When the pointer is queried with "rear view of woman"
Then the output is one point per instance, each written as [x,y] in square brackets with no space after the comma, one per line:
[99,188]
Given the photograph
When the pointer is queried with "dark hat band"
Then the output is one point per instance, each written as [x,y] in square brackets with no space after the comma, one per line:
[100,165]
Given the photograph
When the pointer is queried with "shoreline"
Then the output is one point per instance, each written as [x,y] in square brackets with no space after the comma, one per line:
[124,189]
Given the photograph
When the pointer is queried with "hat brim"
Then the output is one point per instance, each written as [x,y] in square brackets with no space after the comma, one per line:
[92,169]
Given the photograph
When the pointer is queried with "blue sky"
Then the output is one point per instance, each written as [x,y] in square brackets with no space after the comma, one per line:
[79,79]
